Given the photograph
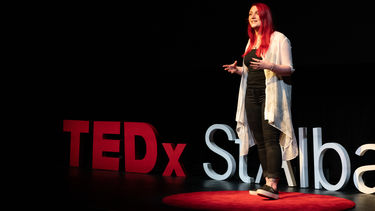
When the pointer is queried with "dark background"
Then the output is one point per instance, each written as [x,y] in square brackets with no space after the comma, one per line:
[160,62]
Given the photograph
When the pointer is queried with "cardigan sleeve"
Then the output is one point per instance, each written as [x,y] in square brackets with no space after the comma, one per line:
[286,53]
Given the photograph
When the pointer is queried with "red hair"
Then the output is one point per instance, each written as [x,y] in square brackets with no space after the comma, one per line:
[266,29]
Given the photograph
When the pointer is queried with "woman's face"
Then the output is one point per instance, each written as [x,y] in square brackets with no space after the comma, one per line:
[254,19]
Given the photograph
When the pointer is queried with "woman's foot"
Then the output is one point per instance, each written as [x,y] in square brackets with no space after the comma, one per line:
[268,192]
[253,192]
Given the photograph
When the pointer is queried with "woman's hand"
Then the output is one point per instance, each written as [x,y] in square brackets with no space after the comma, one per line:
[282,70]
[232,68]
[258,64]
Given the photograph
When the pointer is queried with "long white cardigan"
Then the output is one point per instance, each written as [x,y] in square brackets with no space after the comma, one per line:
[277,103]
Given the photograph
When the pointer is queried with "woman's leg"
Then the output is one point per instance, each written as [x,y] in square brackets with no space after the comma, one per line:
[253,106]
[271,137]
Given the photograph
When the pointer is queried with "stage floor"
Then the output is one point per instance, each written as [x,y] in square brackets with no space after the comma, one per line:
[80,189]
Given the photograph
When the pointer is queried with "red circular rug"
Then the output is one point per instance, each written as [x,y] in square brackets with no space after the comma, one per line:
[241,200]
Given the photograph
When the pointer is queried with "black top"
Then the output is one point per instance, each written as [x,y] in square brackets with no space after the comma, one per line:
[255,78]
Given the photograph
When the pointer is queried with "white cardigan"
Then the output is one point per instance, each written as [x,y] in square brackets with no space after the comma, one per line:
[277,103]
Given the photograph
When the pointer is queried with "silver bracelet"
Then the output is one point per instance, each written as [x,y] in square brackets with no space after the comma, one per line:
[272,66]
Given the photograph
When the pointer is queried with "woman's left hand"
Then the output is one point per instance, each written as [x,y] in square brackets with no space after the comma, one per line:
[258,64]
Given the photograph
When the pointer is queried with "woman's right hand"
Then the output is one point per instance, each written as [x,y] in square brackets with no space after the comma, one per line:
[232,68]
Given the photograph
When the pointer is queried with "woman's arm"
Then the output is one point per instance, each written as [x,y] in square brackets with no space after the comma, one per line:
[282,70]
[286,66]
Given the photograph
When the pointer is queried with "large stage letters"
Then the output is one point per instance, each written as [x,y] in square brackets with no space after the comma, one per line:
[231,161]
[147,163]
[319,151]
[131,130]
[147,131]
[357,176]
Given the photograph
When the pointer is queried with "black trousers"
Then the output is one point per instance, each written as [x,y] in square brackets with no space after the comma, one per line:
[266,136]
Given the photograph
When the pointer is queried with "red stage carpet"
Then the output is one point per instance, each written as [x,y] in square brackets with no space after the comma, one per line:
[241,200]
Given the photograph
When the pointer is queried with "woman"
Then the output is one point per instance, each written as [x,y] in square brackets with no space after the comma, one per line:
[263,111]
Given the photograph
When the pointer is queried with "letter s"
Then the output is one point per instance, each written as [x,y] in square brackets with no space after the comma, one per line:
[226,155]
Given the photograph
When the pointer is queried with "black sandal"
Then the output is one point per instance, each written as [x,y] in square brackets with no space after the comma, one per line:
[268,192]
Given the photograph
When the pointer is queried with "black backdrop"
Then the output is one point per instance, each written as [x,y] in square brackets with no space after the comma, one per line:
[160,62]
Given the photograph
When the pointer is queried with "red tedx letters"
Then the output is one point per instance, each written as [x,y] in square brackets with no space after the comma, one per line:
[131,129]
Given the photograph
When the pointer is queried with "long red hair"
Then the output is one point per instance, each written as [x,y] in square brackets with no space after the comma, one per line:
[266,29]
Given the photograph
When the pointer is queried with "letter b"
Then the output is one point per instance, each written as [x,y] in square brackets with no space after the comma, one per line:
[319,151]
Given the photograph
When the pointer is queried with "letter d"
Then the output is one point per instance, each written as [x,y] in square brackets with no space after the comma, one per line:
[147,131]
